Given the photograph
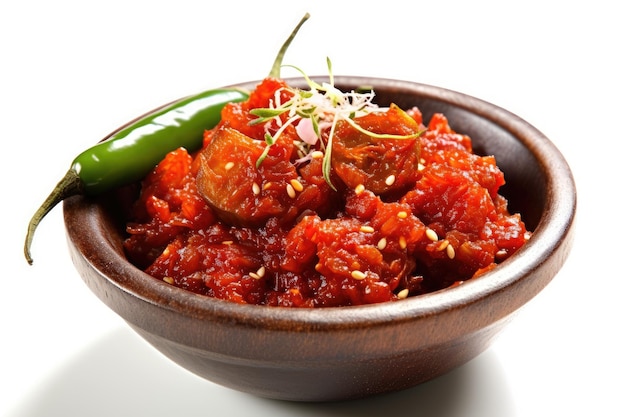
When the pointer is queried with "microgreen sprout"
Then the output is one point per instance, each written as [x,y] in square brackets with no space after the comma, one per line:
[315,113]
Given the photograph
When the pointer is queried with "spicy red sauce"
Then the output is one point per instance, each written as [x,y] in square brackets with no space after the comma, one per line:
[407,216]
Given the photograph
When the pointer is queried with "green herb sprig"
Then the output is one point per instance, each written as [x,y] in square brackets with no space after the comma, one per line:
[321,107]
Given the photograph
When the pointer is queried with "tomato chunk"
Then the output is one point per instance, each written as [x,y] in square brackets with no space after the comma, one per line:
[234,187]
[380,165]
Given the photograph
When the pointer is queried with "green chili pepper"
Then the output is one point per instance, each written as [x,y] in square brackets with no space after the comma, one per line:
[131,153]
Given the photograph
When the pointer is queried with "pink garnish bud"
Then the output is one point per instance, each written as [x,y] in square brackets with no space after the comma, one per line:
[305,131]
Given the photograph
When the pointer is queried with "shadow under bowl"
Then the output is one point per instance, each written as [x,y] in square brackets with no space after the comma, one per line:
[344,353]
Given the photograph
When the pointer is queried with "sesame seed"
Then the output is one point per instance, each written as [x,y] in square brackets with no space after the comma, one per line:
[359,189]
[256,190]
[444,244]
[261,272]
[290,191]
[403,294]
[450,251]
[358,275]
[402,214]
[317,154]
[501,254]
[421,167]
[432,235]
[367,229]
[297,185]
[267,185]
[229,165]
[390,180]
[402,242]
[254,275]
[227,242]
[382,243]
[169,280]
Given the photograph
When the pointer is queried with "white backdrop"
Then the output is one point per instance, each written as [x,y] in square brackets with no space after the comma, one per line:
[73,71]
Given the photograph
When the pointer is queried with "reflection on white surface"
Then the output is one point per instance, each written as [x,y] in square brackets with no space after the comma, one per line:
[121,375]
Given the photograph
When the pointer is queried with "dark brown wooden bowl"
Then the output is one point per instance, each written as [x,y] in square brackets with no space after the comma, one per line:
[348,352]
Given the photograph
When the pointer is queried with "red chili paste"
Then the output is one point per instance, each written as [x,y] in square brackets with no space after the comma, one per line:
[407,217]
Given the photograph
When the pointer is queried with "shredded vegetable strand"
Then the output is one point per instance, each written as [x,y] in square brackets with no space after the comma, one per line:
[326,162]
[322,106]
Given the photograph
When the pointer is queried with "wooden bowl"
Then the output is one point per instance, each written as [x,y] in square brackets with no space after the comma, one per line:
[348,352]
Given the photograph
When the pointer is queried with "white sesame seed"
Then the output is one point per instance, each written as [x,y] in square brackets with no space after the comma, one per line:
[254,275]
[421,167]
[450,251]
[444,244]
[382,243]
[402,214]
[317,154]
[267,185]
[261,272]
[256,190]
[390,180]
[367,229]
[501,254]
[403,294]
[358,275]
[227,242]
[359,189]
[290,191]
[297,185]
[229,165]
[432,235]
[169,280]
[402,242]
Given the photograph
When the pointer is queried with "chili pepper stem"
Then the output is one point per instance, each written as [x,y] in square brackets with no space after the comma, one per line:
[69,185]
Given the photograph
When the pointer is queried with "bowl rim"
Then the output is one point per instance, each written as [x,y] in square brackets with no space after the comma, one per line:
[549,237]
